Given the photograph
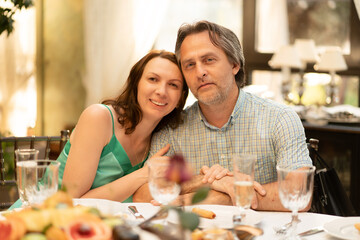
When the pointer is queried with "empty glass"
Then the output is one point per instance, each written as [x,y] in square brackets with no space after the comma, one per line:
[243,166]
[295,191]
[162,190]
[26,154]
[37,180]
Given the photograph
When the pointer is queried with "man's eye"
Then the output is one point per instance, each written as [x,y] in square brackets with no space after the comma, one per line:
[189,65]
[209,59]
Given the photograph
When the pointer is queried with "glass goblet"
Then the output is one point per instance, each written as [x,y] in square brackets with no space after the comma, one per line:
[37,180]
[295,191]
[243,168]
[162,190]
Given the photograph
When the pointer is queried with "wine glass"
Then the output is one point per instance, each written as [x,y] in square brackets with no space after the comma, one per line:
[162,190]
[37,180]
[243,168]
[295,191]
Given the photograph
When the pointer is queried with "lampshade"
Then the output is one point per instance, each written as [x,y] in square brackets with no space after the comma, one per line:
[306,50]
[286,56]
[331,60]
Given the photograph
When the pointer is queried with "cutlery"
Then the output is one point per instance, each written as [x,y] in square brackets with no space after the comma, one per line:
[135,212]
[162,213]
[282,229]
[311,231]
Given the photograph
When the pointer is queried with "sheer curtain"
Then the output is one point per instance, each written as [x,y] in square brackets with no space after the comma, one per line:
[17,78]
[271,13]
[117,33]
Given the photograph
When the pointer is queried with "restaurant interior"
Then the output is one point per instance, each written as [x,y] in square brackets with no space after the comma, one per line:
[58,57]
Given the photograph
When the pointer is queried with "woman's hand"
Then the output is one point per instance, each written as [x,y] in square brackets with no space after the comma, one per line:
[213,173]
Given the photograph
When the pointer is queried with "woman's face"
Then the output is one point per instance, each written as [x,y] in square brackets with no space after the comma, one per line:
[160,88]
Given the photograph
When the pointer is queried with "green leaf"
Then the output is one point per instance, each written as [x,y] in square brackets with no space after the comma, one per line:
[200,195]
[189,220]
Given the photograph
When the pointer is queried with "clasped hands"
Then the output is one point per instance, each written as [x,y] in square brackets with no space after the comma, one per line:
[222,180]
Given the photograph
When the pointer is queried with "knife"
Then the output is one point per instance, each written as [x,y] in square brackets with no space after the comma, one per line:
[311,231]
[135,212]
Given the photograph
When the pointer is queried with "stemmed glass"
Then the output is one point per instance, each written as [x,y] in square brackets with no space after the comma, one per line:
[243,168]
[295,191]
[162,190]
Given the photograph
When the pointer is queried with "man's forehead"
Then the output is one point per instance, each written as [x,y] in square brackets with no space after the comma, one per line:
[197,44]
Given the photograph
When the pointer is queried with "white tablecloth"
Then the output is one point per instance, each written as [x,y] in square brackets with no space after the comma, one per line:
[268,221]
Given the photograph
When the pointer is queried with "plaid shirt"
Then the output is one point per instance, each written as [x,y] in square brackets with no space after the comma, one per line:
[270,130]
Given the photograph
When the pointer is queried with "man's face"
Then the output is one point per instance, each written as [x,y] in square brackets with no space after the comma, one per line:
[207,70]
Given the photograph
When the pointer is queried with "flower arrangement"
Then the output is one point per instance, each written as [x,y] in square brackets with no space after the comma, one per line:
[180,173]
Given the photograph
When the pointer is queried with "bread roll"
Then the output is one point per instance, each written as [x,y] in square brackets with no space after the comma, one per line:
[204,213]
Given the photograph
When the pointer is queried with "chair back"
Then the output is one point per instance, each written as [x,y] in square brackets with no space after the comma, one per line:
[49,147]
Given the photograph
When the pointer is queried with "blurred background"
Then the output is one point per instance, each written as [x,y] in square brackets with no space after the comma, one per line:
[59,56]
[63,55]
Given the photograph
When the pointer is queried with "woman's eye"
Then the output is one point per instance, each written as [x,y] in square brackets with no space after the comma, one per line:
[174,85]
[152,79]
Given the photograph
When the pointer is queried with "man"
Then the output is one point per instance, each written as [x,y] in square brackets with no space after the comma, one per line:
[226,120]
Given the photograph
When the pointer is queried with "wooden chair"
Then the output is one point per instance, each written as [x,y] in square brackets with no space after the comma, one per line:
[49,148]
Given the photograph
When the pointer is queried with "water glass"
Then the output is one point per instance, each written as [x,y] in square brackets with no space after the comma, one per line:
[162,190]
[37,180]
[295,191]
[243,166]
[26,154]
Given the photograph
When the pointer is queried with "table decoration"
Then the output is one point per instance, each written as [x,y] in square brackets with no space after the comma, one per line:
[58,218]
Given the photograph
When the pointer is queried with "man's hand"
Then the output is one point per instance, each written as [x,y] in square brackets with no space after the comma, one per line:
[215,172]
[226,185]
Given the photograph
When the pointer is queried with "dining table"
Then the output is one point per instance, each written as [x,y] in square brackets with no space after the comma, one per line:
[335,227]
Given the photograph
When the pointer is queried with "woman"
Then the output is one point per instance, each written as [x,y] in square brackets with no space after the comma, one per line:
[105,155]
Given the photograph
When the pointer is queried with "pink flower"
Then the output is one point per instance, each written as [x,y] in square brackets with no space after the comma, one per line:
[178,171]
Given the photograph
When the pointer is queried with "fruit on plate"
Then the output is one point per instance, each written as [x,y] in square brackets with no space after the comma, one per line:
[34,236]
[87,226]
[57,219]
[12,229]
[357,226]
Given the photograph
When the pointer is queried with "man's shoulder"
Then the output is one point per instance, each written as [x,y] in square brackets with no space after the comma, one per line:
[189,115]
[266,104]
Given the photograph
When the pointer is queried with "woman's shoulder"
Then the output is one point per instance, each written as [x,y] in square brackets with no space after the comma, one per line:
[97,113]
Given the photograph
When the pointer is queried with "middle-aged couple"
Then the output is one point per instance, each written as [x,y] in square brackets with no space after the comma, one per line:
[106,152]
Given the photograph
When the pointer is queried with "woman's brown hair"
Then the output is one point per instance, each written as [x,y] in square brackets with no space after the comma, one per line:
[126,104]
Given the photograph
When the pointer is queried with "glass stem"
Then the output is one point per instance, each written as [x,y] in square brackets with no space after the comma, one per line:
[294,221]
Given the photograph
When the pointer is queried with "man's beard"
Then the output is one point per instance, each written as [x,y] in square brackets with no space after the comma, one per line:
[213,98]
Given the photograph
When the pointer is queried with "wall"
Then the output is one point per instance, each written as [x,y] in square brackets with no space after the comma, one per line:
[60,65]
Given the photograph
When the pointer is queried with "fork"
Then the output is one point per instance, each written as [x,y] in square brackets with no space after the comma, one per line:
[284,228]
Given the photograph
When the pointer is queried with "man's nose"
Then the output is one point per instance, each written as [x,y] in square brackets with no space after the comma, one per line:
[200,71]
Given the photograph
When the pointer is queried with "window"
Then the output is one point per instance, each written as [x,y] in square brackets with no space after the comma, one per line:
[333,22]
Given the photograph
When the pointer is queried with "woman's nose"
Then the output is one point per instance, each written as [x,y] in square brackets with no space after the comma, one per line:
[161,89]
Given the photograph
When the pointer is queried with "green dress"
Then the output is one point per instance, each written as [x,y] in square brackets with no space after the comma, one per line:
[114,163]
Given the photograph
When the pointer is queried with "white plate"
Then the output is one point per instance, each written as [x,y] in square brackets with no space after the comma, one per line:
[103,205]
[343,228]
[224,216]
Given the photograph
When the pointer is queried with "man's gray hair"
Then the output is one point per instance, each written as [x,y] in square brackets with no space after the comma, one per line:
[221,37]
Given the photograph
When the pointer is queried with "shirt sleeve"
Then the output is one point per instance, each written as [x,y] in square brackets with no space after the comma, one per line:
[290,141]
[159,140]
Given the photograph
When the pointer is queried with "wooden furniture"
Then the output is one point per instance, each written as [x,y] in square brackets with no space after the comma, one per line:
[49,148]
[340,146]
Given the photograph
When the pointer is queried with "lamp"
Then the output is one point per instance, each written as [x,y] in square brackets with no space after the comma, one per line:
[308,54]
[331,60]
[286,58]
